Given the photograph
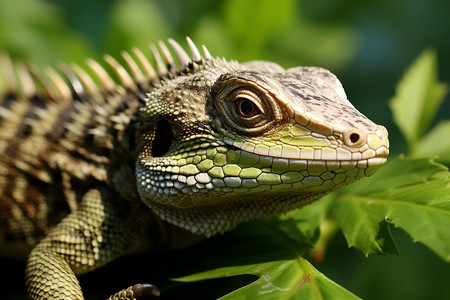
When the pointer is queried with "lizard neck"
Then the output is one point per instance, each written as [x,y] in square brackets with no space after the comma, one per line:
[51,148]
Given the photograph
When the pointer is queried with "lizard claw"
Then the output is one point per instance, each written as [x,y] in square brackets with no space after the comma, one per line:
[145,289]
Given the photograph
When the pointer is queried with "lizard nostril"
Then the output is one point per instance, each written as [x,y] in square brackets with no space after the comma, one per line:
[354,137]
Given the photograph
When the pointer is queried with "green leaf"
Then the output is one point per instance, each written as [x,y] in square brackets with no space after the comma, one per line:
[413,194]
[418,97]
[273,253]
[364,228]
[436,142]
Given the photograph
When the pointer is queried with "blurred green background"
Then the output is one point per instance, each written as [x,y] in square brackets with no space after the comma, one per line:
[367,44]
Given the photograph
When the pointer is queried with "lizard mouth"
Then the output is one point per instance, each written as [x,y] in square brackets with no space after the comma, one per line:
[325,156]
[376,145]
[376,161]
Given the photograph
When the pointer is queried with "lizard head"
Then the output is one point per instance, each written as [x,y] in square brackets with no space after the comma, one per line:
[222,143]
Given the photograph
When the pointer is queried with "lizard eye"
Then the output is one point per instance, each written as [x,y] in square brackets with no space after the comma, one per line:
[246,108]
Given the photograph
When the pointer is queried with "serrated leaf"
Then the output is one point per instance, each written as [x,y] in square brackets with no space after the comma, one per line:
[274,255]
[404,171]
[292,280]
[418,97]
[424,212]
[436,142]
[364,228]
[413,194]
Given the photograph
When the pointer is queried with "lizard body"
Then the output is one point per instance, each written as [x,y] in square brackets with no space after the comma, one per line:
[93,168]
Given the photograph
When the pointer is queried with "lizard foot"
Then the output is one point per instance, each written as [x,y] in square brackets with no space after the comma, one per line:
[136,291]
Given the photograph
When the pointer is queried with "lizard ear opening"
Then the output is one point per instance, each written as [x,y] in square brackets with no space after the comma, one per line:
[163,138]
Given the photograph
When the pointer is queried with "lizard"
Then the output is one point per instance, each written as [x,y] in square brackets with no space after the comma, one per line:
[102,161]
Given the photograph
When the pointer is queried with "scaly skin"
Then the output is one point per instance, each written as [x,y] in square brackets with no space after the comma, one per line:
[161,158]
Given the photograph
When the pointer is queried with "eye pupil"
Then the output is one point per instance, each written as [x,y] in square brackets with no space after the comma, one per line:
[246,108]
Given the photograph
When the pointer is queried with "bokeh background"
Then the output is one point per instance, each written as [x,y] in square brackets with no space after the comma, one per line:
[367,44]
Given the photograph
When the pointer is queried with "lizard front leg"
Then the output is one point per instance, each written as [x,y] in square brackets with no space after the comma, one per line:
[104,228]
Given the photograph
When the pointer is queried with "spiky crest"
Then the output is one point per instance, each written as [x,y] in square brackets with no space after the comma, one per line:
[66,83]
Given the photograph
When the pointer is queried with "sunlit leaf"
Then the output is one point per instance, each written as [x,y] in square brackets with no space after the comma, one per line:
[436,142]
[413,194]
[364,229]
[274,254]
[418,97]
